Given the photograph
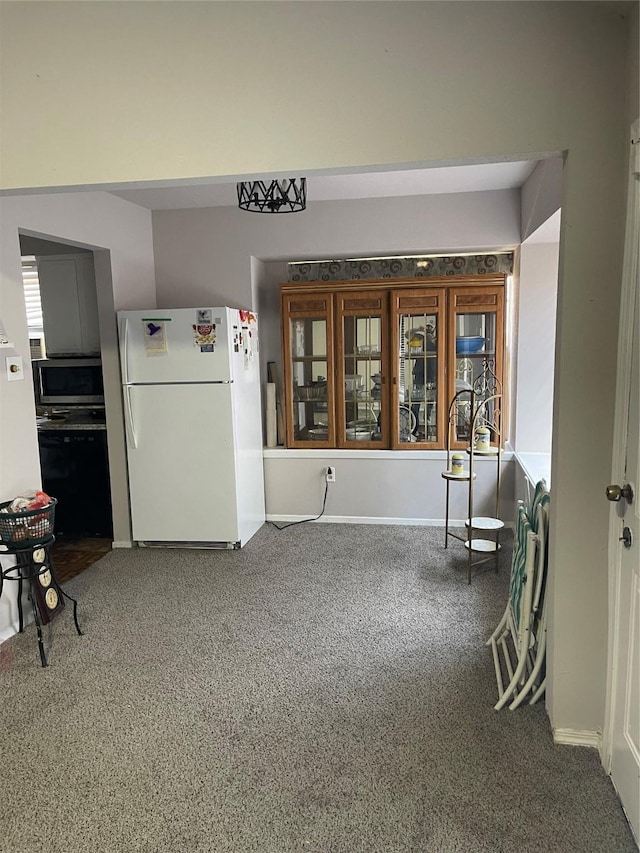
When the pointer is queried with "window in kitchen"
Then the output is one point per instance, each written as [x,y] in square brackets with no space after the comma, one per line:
[33,304]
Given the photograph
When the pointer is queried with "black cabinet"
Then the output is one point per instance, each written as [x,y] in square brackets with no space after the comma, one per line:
[75,470]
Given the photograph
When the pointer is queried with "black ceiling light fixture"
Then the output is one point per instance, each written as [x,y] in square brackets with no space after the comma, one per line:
[285,195]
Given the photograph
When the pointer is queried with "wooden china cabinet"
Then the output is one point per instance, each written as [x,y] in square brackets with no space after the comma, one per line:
[373,364]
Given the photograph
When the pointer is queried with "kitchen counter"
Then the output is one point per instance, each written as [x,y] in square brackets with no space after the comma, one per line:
[72,421]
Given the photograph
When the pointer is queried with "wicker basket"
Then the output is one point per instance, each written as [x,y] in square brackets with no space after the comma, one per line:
[26,527]
[306,393]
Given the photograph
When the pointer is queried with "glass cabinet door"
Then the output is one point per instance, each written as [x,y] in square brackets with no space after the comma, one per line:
[362,393]
[476,352]
[308,370]
[418,391]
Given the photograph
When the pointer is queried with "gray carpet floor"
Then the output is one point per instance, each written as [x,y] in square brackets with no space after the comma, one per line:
[325,689]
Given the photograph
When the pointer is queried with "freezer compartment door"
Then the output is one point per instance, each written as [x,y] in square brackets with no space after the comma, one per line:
[182,480]
[167,346]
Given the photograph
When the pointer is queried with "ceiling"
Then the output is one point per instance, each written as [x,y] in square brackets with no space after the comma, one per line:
[379,184]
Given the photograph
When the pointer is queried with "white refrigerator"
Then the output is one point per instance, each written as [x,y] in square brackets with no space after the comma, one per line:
[191,397]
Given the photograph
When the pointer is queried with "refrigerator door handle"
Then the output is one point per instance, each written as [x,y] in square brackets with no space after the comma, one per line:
[124,348]
[128,418]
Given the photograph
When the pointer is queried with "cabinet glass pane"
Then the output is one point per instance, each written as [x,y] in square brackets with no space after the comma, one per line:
[363,378]
[475,364]
[417,376]
[309,377]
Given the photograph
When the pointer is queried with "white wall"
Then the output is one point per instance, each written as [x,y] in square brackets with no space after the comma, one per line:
[204,254]
[35,246]
[124,279]
[268,302]
[393,487]
[541,195]
[159,91]
[216,250]
[633,66]
[536,347]
[412,88]
[266,296]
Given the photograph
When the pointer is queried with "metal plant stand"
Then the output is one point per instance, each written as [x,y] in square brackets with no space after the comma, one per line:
[482,405]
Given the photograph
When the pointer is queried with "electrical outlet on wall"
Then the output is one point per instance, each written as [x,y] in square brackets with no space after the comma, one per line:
[14,368]
[331,474]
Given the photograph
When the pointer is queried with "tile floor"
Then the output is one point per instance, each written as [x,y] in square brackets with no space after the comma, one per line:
[72,556]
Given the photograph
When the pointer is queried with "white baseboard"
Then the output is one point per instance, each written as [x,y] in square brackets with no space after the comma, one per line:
[13,629]
[7,633]
[122,543]
[577,737]
[360,519]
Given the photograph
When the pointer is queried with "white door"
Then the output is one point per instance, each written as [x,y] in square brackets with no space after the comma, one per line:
[624,714]
[182,463]
[161,345]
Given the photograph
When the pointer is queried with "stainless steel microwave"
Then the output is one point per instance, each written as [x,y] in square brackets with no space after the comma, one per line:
[69,381]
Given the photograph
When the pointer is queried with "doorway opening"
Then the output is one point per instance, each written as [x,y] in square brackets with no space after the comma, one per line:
[64,333]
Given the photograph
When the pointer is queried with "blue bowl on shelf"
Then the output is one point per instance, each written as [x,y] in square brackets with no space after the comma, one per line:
[468,345]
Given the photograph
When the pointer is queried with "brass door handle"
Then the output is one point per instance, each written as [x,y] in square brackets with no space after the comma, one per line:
[615,493]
